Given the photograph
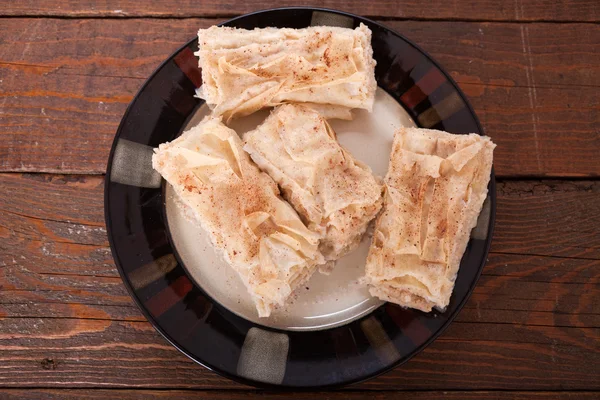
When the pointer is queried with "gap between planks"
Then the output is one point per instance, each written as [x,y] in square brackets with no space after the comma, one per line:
[223,17]
[524,178]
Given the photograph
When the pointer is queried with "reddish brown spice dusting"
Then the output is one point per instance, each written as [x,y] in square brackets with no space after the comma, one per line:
[326,57]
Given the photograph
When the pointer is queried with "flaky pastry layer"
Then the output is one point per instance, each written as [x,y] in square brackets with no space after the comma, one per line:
[435,188]
[257,232]
[335,194]
[329,68]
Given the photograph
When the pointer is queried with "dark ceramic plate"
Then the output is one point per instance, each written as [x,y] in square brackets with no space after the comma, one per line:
[200,327]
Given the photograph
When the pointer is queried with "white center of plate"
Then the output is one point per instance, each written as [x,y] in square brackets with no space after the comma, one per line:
[324,301]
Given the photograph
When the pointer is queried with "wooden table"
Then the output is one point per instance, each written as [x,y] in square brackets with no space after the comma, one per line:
[68,328]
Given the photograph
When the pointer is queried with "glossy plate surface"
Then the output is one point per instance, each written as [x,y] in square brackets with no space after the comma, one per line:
[199,326]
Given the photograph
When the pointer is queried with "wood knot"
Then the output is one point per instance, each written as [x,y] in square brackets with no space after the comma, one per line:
[48,363]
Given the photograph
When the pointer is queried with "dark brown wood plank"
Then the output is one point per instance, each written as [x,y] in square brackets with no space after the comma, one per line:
[558,218]
[128,394]
[66,84]
[528,220]
[569,10]
[560,54]
[66,319]
[70,352]
[536,291]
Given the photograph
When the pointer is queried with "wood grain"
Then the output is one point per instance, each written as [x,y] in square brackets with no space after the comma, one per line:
[70,352]
[564,298]
[66,83]
[66,319]
[68,210]
[124,394]
[558,218]
[68,328]
[569,10]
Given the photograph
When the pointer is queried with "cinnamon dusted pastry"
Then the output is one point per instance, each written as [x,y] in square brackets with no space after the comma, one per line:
[259,234]
[435,188]
[334,193]
[329,68]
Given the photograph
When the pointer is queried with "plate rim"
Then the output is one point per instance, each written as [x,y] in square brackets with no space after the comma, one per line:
[284,387]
